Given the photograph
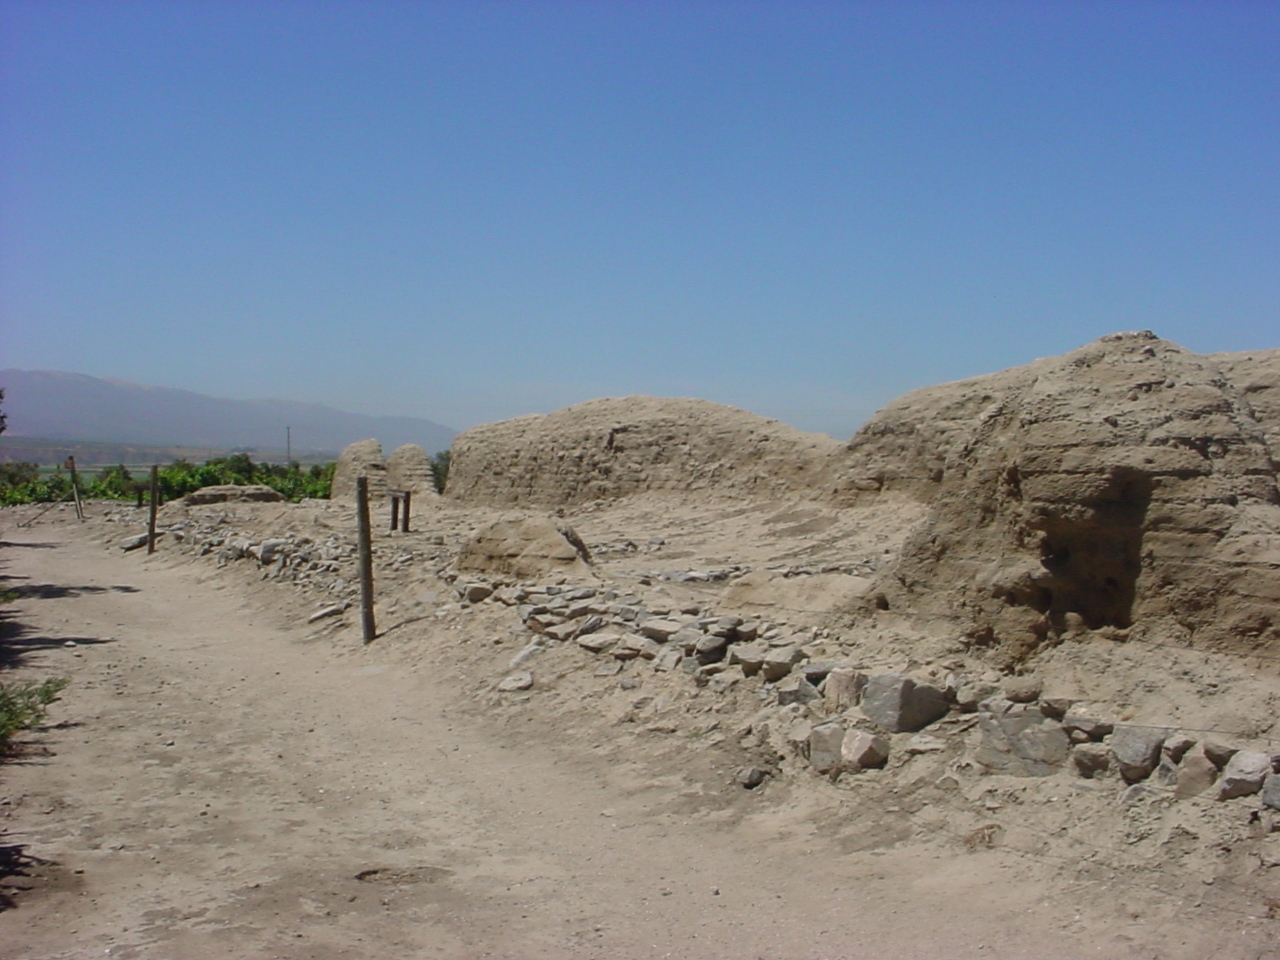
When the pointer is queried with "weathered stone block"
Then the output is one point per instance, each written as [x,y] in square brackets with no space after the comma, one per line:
[563,631]
[861,750]
[796,689]
[779,661]
[1243,775]
[1091,760]
[897,703]
[659,628]
[1022,742]
[1088,727]
[969,695]
[668,659]
[1137,750]
[1271,791]
[599,642]
[1023,689]
[686,638]
[750,656]
[842,689]
[824,746]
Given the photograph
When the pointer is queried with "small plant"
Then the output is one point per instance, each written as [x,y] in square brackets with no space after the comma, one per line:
[22,705]
[440,469]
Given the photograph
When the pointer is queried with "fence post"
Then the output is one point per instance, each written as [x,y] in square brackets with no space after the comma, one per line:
[75,487]
[155,503]
[404,517]
[395,511]
[365,536]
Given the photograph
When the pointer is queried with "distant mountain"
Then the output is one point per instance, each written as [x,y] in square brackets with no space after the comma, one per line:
[74,407]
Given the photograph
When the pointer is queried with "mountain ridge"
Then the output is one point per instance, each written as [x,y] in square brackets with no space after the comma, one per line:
[61,405]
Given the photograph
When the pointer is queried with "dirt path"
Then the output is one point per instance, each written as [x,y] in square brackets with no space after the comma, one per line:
[214,785]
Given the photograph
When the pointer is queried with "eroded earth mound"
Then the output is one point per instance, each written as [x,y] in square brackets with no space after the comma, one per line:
[360,459]
[1126,485]
[610,448]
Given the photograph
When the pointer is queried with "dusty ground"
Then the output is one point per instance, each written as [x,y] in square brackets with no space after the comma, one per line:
[219,781]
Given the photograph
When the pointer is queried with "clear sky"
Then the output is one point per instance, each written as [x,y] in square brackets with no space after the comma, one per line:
[472,210]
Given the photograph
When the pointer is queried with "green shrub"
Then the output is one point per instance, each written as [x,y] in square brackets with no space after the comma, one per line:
[440,469]
[22,705]
[18,472]
[21,483]
[111,483]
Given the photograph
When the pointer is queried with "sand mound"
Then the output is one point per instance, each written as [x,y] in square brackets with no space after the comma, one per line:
[611,448]
[1126,484]
[525,549]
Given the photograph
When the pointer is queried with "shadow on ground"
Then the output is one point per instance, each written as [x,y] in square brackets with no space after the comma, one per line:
[57,591]
[17,873]
[18,640]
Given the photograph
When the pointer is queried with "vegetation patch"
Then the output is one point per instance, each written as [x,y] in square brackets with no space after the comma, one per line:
[23,482]
[22,705]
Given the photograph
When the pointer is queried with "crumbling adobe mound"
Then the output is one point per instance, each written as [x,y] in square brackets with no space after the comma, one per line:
[360,459]
[610,448]
[1126,484]
[1256,374]
[409,469]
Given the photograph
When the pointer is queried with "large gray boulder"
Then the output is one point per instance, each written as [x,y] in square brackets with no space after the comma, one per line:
[1021,741]
[899,704]
[1137,750]
[1271,791]
[1243,775]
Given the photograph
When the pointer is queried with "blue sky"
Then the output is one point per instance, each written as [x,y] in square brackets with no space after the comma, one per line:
[472,210]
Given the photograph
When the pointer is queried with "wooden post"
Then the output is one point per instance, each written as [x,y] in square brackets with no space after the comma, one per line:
[155,504]
[395,511]
[404,517]
[140,489]
[365,536]
[75,487]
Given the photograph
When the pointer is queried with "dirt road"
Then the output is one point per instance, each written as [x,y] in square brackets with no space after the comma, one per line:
[213,784]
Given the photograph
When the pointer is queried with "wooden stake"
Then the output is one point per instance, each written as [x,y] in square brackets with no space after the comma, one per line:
[395,511]
[404,517]
[75,487]
[155,504]
[364,535]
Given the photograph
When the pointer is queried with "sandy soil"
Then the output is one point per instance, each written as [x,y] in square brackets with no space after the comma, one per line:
[219,781]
